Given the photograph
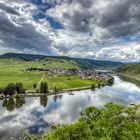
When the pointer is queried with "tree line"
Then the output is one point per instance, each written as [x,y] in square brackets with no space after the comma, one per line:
[18,88]
[13,88]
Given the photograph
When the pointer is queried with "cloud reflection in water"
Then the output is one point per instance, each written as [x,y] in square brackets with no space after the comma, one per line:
[38,113]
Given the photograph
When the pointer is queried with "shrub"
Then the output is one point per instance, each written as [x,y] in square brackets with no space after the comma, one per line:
[113,122]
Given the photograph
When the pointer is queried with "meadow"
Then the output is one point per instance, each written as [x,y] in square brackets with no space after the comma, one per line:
[14,70]
[64,82]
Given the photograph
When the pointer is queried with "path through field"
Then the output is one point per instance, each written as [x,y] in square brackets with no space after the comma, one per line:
[41,79]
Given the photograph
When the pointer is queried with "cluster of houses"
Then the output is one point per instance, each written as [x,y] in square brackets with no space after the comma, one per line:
[82,74]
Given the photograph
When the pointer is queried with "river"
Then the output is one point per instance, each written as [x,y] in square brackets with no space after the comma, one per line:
[35,115]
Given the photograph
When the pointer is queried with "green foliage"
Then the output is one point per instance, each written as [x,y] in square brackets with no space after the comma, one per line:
[130,69]
[12,88]
[43,87]
[134,68]
[99,85]
[113,122]
[19,88]
[110,81]
[34,86]
[56,90]
[93,86]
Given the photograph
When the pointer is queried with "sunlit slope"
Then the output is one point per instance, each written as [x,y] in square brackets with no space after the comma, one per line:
[130,69]
[14,70]
[81,62]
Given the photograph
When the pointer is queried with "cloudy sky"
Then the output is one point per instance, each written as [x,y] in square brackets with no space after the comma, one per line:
[97,29]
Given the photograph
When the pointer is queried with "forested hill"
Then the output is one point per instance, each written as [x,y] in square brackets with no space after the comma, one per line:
[129,68]
[81,62]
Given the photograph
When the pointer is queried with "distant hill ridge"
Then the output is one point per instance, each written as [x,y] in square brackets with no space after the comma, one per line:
[129,68]
[82,62]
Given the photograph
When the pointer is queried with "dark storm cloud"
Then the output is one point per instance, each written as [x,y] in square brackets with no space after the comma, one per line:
[22,37]
[120,18]
[79,21]
[8,9]
[86,3]
[91,28]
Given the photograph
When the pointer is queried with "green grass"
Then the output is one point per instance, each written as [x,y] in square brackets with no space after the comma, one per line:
[65,83]
[13,70]
[59,63]
[112,122]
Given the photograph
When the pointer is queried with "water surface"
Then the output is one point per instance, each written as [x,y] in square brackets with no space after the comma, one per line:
[36,114]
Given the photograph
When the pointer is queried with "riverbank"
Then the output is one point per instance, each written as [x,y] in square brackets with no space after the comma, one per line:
[35,94]
[126,75]
[52,92]
[38,112]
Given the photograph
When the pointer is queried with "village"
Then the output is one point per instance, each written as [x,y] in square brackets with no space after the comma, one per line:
[82,73]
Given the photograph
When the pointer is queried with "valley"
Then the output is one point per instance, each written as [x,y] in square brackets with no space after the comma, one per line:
[13,68]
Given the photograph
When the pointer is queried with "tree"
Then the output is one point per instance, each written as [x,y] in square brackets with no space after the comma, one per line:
[35,87]
[93,87]
[110,81]
[99,85]
[44,87]
[56,90]
[10,89]
[19,88]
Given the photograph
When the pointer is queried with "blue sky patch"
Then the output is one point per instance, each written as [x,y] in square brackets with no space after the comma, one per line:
[41,14]
[55,24]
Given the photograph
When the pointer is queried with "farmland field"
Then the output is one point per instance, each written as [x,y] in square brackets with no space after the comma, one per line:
[14,70]
[66,83]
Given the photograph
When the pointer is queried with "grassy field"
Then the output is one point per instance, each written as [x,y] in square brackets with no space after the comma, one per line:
[66,83]
[13,70]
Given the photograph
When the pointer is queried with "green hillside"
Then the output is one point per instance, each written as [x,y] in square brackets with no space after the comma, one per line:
[13,69]
[81,62]
[130,69]
[112,122]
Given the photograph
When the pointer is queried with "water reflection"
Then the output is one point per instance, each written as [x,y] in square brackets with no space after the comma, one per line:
[12,103]
[43,100]
[57,97]
[36,114]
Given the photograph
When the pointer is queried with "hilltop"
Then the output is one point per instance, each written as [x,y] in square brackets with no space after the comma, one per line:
[78,62]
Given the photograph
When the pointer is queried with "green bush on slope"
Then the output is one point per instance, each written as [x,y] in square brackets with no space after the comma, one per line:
[113,122]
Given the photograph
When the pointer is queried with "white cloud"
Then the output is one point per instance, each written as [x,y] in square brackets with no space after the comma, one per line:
[92,29]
